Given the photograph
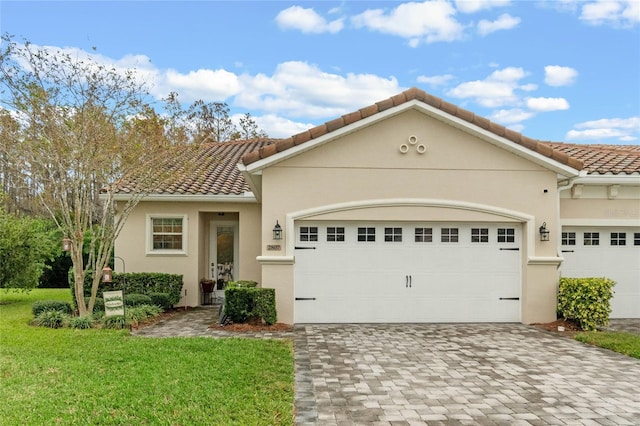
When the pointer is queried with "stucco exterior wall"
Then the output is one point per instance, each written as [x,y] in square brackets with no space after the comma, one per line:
[193,265]
[455,168]
[596,203]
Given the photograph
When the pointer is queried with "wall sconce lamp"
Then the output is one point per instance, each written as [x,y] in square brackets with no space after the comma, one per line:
[544,232]
[277,231]
[66,244]
[107,275]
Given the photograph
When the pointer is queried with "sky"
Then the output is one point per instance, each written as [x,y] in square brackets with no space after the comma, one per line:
[561,70]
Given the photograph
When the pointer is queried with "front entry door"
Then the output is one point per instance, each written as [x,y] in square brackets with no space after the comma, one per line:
[223,254]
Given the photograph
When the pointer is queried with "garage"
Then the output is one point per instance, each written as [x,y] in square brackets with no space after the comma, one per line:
[612,252]
[353,272]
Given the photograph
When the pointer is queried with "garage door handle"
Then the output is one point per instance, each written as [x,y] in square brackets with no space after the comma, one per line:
[510,249]
[406,281]
[304,248]
[509,298]
[305,298]
[567,251]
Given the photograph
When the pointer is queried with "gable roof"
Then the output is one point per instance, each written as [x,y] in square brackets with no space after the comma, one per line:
[536,146]
[603,159]
[205,169]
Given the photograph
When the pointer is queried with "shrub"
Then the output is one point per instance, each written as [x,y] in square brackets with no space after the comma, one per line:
[41,306]
[115,321]
[243,304]
[242,284]
[51,319]
[141,313]
[137,299]
[81,322]
[586,301]
[98,305]
[161,300]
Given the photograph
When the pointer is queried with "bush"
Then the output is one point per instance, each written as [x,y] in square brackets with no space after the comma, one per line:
[586,301]
[98,305]
[137,299]
[115,321]
[161,300]
[141,313]
[243,304]
[51,319]
[81,322]
[41,306]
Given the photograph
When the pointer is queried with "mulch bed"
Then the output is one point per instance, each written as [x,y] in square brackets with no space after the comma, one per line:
[570,327]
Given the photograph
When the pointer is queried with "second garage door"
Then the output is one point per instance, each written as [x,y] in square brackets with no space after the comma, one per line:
[407,272]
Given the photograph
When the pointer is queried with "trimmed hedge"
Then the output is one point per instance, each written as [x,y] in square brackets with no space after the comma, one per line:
[137,283]
[586,301]
[41,306]
[243,304]
[161,300]
[134,299]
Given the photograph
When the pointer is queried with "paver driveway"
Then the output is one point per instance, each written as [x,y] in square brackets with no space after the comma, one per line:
[459,374]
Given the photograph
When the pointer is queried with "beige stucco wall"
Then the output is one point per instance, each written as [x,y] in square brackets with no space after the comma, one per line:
[132,243]
[455,168]
[596,203]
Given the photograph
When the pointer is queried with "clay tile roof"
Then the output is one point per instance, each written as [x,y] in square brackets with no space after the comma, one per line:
[206,169]
[420,95]
[602,159]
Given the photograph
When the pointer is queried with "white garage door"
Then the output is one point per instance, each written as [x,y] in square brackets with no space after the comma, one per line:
[417,272]
[606,252]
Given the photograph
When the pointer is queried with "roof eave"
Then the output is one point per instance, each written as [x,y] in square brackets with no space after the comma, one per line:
[247,197]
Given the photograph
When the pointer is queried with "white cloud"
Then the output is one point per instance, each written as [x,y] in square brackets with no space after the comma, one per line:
[616,13]
[429,21]
[472,6]
[510,116]
[547,104]
[623,129]
[435,80]
[555,75]
[504,22]
[307,20]
[280,127]
[201,84]
[495,91]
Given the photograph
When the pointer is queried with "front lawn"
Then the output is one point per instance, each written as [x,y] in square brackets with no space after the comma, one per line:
[99,376]
[624,343]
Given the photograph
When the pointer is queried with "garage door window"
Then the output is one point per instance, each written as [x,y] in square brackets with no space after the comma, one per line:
[393,235]
[449,235]
[479,235]
[591,238]
[335,234]
[636,238]
[366,235]
[424,235]
[568,238]
[506,235]
[618,238]
[308,233]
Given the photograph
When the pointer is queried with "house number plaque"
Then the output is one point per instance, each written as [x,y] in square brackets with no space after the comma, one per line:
[273,247]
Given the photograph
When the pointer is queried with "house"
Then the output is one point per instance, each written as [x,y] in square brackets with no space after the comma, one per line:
[407,210]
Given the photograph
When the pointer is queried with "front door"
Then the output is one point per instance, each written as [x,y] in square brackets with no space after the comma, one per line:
[223,254]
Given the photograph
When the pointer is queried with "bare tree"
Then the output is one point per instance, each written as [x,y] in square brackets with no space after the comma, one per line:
[249,129]
[84,126]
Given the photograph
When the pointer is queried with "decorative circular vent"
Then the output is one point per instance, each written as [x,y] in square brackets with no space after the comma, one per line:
[404,148]
[421,149]
[413,139]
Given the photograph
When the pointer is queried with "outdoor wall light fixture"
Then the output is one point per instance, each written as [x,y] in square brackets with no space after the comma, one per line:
[107,275]
[544,232]
[277,231]
[66,244]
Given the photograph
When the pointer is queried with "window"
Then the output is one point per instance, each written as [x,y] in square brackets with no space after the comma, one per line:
[618,238]
[424,235]
[568,238]
[636,238]
[449,235]
[335,234]
[366,234]
[479,235]
[308,233]
[167,234]
[506,235]
[591,238]
[393,235]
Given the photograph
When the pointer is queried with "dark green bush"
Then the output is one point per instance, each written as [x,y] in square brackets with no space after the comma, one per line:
[51,319]
[81,322]
[115,321]
[134,299]
[586,301]
[161,300]
[98,305]
[244,304]
[50,305]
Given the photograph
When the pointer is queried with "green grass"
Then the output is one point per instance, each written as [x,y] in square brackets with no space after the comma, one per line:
[624,343]
[107,377]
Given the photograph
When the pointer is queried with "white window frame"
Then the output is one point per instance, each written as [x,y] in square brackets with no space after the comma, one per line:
[336,234]
[166,252]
